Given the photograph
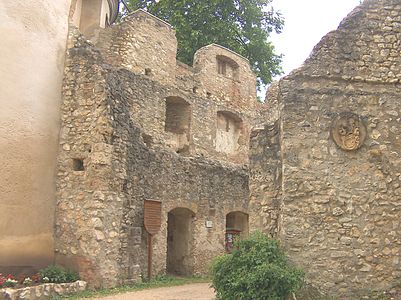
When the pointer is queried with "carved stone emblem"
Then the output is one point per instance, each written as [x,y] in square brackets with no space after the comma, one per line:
[348,131]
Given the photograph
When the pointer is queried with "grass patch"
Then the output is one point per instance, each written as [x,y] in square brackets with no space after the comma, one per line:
[159,281]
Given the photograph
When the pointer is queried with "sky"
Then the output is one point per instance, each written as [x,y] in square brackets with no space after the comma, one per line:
[306,22]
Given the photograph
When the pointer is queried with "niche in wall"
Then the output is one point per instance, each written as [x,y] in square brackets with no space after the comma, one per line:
[177,124]
[228,132]
[227,67]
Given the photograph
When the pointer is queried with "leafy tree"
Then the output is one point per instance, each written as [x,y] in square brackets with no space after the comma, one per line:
[257,269]
[240,25]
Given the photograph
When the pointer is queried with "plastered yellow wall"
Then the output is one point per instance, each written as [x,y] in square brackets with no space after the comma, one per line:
[33,37]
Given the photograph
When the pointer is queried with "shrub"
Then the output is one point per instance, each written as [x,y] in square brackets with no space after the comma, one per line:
[256,269]
[57,274]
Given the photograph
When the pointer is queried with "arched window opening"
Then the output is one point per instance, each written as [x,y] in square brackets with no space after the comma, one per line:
[237,226]
[177,124]
[227,67]
[228,133]
[180,238]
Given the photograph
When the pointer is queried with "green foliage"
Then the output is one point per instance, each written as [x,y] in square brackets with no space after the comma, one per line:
[240,25]
[57,274]
[256,269]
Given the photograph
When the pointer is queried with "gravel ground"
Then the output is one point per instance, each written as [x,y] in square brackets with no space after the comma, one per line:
[198,291]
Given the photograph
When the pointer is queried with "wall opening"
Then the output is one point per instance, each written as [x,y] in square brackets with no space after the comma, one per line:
[78,164]
[147,139]
[227,67]
[180,241]
[177,124]
[228,133]
[237,226]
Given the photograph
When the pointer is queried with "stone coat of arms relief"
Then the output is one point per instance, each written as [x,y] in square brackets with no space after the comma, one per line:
[348,131]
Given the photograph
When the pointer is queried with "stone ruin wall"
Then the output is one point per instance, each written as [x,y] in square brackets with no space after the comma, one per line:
[144,44]
[114,155]
[265,178]
[336,211]
[209,188]
[339,211]
[89,206]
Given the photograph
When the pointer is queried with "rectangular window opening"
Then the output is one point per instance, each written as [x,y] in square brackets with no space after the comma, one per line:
[78,164]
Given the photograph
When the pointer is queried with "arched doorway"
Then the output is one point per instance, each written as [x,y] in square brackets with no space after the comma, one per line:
[237,225]
[180,241]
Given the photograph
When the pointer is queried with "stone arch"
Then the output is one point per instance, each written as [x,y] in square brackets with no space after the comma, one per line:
[177,123]
[180,241]
[229,132]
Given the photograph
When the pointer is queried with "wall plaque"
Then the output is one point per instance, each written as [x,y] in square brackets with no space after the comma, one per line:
[152,216]
[348,131]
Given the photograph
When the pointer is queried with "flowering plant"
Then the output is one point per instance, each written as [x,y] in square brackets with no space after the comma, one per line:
[2,279]
[10,282]
[27,281]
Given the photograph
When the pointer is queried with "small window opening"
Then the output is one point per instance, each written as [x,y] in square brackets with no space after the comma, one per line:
[147,139]
[221,67]
[78,164]
[227,67]
[148,72]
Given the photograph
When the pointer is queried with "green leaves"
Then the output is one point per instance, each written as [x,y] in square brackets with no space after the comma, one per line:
[257,269]
[240,25]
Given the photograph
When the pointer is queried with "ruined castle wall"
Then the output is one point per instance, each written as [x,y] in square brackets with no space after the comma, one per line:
[370,54]
[89,206]
[99,217]
[33,37]
[226,76]
[143,44]
[208,188]
[265,179]
[147,99]
[340,214]
[146,45]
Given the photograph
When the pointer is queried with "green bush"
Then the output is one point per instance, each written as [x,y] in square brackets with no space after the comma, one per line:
[57,274]
[256,269]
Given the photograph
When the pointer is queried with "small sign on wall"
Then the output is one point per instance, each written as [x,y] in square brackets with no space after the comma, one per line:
[209,224]
[152,216]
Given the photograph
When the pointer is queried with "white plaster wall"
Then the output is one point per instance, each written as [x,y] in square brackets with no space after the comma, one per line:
[33,39]
[77,11]
[105,10]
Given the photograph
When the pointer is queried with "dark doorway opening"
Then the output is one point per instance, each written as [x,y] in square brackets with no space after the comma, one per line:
[180,242]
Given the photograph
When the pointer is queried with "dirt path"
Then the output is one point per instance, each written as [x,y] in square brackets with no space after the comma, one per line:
[198,291]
